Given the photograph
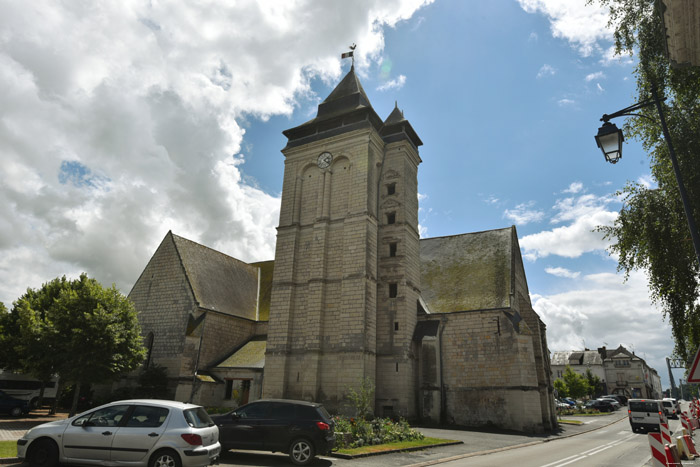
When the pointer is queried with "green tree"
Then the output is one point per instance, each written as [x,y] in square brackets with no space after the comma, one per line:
[594,383]
[88,333]
[560,386]
[576,385]
[9,360]
[651,233]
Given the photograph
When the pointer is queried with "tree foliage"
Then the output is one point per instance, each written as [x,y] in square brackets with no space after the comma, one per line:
[78,330]
[576,385]
[651,233]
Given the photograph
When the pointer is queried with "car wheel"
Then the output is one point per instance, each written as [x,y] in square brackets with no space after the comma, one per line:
[34,403]
[43,453]
[165,458]
[301,451]
[16,411]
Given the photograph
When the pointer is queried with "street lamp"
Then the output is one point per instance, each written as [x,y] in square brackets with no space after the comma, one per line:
[609,139]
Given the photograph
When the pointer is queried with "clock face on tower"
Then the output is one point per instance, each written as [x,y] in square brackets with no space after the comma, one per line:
[324,160]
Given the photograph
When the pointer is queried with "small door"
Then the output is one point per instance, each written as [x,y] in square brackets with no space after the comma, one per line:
[89,438]
[133,441]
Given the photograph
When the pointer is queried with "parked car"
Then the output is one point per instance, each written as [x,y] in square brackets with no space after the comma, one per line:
[616,405]
[675,402]
[600,405]
[144,433]
[621,399]
[301,429]
[646,414]
[12,405]
[568,401]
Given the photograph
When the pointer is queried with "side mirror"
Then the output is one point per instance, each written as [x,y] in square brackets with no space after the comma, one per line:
[235,416]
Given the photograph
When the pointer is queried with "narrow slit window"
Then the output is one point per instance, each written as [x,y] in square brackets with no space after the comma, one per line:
[392,249]
[391,218]
[391,189]
[393,290]
[396,325]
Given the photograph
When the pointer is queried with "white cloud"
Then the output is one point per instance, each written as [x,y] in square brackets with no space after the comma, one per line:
[597,311]
[533,37]
[393,84]
[123,121]
[599,87]
[546,70]
[647,181]
[584,214]
[524,214]
[562,272]
[566,102]
[574,188]
[580,24]
[597,75]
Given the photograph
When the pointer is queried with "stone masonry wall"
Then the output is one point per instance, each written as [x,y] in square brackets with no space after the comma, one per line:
[489,373]
[163,299]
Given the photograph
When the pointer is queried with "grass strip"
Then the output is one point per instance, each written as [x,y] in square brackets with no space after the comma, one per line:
[8,449]
[570,422]
[397,446]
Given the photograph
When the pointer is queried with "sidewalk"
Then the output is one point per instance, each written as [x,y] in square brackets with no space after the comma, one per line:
[12,429]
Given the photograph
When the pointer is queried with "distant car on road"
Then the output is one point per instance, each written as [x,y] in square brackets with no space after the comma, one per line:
[670,408]
[646,414]
[621,399]
[600,405]
[301,429]
[138,433]
[616,405]
[12,405]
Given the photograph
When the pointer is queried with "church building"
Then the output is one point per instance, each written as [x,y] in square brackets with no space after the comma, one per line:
[442,327]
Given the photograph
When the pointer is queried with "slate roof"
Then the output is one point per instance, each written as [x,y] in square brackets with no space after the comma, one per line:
[250,355]
[219,282]
[576,357]
[468,272]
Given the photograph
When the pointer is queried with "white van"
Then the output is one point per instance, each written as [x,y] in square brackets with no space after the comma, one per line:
[646,414]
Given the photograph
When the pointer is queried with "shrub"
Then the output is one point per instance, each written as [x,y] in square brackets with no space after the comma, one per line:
[357,432]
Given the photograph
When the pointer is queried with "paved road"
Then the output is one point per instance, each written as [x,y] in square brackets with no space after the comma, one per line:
[479,446]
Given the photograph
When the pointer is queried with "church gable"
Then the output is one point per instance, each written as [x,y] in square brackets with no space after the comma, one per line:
[219,282]
[467,272]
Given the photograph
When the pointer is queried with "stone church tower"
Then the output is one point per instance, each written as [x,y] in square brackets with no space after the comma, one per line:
[347,263]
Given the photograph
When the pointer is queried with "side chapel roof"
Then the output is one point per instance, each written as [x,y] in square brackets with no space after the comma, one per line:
[472,271]
[219,282]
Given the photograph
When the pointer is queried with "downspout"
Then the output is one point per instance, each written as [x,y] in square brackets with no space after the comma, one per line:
[196,364]
[443,396]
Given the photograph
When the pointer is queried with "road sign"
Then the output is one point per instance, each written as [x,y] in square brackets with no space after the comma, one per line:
[694,373]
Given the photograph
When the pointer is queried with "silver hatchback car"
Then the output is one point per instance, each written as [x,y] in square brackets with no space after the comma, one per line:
[142,432]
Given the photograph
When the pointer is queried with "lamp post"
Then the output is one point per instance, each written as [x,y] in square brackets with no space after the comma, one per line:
[609,139]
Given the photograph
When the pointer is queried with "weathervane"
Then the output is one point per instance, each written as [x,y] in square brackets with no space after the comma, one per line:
[350,54]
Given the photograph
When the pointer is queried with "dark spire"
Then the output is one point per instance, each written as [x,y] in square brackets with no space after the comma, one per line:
[348,95]
[395,116]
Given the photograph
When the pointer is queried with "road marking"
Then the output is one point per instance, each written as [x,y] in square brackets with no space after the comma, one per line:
[589,453]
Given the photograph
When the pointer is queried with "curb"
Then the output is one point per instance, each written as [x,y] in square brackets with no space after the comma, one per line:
[9,460]
[392,451]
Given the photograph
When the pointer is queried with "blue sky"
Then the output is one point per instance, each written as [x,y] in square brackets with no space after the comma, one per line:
[129,120]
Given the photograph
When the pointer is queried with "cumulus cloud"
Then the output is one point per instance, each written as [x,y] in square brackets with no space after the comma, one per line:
[592,314]
[581,24]
[562,272]
[524,214]
[123,121]
[566,102]
[574,188]
[583,214]
[546,70]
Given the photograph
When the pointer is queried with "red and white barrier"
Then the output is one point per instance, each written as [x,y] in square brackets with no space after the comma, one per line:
[665,433]
[691,445]
[658,453]
[672,457]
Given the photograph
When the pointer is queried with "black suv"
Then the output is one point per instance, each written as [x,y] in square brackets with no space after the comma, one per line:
[302,429]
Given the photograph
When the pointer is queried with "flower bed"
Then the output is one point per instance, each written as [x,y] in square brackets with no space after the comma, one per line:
[353,433]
